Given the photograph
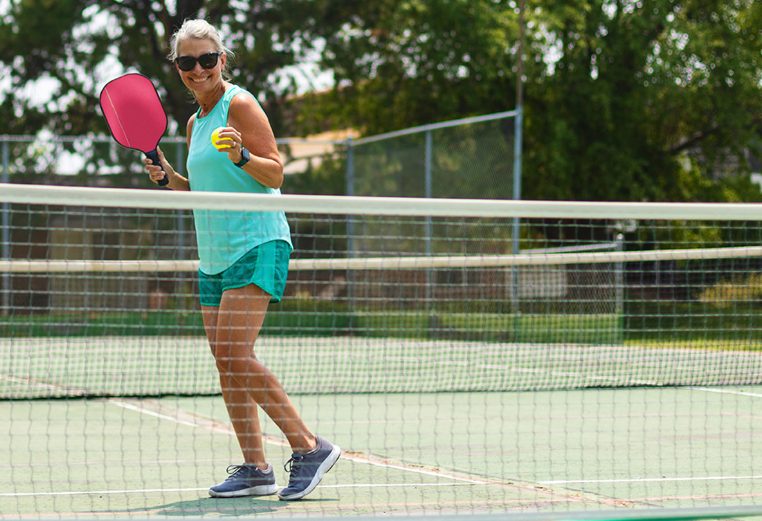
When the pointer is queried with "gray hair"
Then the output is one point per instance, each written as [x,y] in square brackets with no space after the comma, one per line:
[200,30]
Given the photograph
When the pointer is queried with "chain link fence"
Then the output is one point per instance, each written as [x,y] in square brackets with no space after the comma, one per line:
[465,158]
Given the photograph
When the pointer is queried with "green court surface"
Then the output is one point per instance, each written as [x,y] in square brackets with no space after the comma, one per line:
[107,366]
[405,453]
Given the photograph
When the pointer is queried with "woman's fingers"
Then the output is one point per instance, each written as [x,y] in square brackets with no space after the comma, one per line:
[164,163]
[229,140]
[155,172]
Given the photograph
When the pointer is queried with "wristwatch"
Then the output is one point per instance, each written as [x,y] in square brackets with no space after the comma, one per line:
[245,157]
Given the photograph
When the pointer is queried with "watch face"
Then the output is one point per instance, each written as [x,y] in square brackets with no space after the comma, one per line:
[245,156]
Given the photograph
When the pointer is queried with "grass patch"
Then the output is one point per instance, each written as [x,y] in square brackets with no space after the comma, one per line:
[693,322]
[690,325]
[83,324]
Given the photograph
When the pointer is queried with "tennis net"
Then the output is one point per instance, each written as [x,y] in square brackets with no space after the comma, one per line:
[627,325]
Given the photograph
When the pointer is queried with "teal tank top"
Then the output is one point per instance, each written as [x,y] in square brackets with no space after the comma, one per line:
[224,237]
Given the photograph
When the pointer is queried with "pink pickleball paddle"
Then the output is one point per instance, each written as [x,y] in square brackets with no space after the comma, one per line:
[135,115]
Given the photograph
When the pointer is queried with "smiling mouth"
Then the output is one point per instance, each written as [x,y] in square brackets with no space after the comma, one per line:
[199,81]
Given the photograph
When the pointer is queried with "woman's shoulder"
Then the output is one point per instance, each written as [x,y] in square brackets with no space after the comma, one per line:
[241,96]
[244,102]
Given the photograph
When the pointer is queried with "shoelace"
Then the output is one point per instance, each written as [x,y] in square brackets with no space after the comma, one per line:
[232,470]
[293,466]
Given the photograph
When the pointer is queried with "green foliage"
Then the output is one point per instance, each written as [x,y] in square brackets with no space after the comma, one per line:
[400,63]
[638,91]
[66,43]
[729,294]
[324,177]
[625,101]
[649,100]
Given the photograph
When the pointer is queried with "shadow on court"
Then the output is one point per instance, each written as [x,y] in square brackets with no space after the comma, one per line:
[232,507]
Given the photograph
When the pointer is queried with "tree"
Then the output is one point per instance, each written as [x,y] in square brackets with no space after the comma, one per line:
[625,100]
[636,87]
[399,63]
[68,46]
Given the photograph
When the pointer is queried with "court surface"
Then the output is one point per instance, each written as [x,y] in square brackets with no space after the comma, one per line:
[405,453]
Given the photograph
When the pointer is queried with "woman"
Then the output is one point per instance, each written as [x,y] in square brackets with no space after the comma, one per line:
[243,262]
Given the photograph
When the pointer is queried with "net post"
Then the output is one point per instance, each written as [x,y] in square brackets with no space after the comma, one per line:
[5,252]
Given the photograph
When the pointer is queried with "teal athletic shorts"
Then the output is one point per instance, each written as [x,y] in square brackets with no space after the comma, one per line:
[265,265]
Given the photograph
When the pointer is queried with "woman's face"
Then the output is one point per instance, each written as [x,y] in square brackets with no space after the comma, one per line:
[199,79]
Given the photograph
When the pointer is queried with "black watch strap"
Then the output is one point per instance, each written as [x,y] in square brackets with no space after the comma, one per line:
[245,157]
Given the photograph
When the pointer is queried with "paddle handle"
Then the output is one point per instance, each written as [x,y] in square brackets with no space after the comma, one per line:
[153,155]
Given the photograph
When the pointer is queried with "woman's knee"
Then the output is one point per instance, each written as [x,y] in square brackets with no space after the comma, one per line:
[227,361]
[235,362]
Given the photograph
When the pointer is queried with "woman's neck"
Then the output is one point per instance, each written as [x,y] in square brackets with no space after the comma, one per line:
[208,100]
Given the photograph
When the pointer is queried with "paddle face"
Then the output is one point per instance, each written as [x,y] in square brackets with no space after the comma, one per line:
[134,114]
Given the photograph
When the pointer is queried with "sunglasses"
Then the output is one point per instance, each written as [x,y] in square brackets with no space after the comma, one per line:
[207,61]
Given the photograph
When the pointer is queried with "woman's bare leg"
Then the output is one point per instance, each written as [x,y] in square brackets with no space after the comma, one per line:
[241,407]
[239,320]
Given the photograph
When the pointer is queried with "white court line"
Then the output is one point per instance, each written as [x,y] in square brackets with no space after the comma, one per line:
[725,391]
[401,485]
[99,492]
[648,480]
[35,383]
[168,490]
[149,412]
[380,462]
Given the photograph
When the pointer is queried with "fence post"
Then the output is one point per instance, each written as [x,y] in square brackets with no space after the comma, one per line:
[350,190]
[429,232]
[516,229]
[517,175]
[619,287]
[5,251]
[517,146]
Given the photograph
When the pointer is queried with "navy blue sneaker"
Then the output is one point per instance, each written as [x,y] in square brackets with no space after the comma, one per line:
[308,469]
[245,480]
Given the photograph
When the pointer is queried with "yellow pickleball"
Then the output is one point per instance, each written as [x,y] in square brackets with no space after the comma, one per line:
[216,139]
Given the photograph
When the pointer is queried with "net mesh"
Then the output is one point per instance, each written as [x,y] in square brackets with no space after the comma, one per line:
[611,363]
[434,298]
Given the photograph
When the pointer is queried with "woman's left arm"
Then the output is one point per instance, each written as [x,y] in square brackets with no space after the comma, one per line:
[248,125]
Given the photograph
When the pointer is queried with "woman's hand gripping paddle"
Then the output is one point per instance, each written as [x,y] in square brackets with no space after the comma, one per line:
[134,115]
